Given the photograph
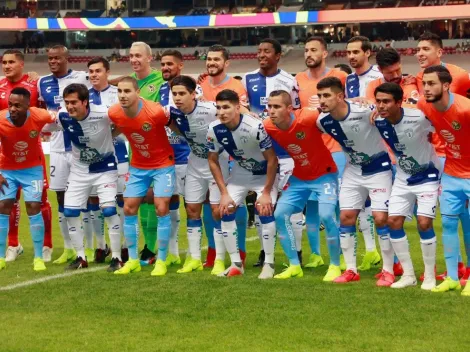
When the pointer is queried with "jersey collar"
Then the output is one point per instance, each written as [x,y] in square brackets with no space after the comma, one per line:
[327,69]
[67,74]
[100,91]
[363,73]
[349,111]
[275,74]
[451,101]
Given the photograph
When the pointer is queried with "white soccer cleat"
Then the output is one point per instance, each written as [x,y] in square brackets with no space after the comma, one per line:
[405,281]
[267,272]
[13,252]
[428,283]
[46,254]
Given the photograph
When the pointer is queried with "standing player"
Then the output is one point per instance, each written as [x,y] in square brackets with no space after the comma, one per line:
[21,162]
[12,66]
[50,90]
[143,123]
[367,173]
[407,132]
[450,115]
[314,173]
[244,138]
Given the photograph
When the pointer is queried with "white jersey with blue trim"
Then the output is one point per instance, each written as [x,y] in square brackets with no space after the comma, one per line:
[51,89]
[409,140]
[91,139]
[245,145]
[108,97]
[361,141]
[356,85]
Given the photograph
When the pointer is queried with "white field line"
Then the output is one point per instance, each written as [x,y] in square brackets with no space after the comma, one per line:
[72,273]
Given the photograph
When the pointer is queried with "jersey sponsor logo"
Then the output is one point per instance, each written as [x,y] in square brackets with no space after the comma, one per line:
[456,126]
[33,133]
[263,100]
[144,153]
[83,139]
[253,80]
[20,146]
[137,138]
[379,190]
[146,127]
[449,137]
[238,152]
[294,148]
[3,95]
[300,135]
[58,99]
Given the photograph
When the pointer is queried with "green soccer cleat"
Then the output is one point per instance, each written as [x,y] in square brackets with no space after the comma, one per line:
[172,259]
[66,256]
[192,265]
[342,263]
[447,285]
[291,271]
[314,261]
[38,264]
[131,266]
[333,272]
[187,259]
[370,258]
[3,264]
[466,290]
[218,268]
[160,268]
[90,255]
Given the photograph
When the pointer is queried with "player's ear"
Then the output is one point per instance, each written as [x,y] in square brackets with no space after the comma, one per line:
[325,54]
[227,63]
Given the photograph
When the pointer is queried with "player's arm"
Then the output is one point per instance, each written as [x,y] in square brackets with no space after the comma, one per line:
[115,131]
[264,202]
[227,205]
[115,81]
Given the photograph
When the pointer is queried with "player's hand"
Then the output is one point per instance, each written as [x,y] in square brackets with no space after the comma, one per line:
[264,205]
[3,182]
[373,116]
[227,205]
[363,102]
[409,79]
[32,76]
[202,77]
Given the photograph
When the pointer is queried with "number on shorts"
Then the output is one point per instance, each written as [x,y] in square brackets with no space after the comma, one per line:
[330,188]
[38,185]
[169,180]
[52,171]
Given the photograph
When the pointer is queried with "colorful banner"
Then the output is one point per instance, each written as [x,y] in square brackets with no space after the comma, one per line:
[240,20]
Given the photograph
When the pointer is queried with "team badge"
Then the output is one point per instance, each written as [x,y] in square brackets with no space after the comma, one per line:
[146,127]
[356,128]
[456,126]
[151,88]
[33,134]
[300,135]
[409,133]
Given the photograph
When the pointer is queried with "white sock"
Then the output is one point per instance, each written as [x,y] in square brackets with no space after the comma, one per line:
[229,229]
[219,244]
[366,226]
[428,248]
[97,222]
[259,230]
[87,229]
[349,245]
[194,242]
[297,221]
[76,234]
[175,227]
[387,252]
[64,231]
[114,231]
[401,248]
[269,241]
[121,219]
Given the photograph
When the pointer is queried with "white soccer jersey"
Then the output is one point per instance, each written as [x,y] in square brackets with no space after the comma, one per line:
[361,141]
[356,85]
[51,89]
[246,144]
[409,141]
[166,97]
[91,139]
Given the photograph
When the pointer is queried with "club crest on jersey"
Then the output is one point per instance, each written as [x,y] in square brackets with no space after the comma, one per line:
[300,135]
[151,88]
[146,127]
[356,128]
[456,126]
[33,134]
[409,133]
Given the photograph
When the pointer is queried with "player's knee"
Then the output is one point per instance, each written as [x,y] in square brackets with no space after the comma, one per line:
[215,213]
[108,210]
[60,197]
[327,213]
[348,217]
[193,210]
[395,222]
[130,209]
[93,200]
[424,223]
[33,208]
[71,213]
[380,218]
[162,206]
[283,213]
[6,206]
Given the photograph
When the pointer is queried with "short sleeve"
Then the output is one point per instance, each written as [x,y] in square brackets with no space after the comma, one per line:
[38,85]
[264,141]
[212,143]
[319,125]
[247,99]
[199,92]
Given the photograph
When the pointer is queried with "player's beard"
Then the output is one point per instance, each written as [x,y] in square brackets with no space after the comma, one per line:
[435,98]
[315,64]
[170,77]
[216,73]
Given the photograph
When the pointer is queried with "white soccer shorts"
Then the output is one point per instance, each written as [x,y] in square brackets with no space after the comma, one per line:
[239,186]
[404,197]
[123,176]
[180,179]
[286,167]
[59,170]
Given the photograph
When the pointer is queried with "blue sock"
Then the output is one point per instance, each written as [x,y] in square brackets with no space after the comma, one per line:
[241,218]
[395,259]
[4,225]
[327,213]
[450,239]
[284,227]
[36,226]
[208,221]
[131,233]
[465,222]
[312,220]
[164,232]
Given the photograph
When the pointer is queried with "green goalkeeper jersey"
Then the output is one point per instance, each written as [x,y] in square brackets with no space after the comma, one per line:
[150,85]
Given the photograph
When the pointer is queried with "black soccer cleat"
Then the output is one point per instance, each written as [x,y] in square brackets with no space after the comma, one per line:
[101,254]
[124,254]
[78,263]
[299,254]
[147,256]
[115,264]
[260,261]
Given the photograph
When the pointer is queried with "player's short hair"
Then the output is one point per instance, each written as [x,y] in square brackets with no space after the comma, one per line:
[331,82]
[442,73]
[18,54]
[365,42]
[390,88]
[97,60]
[276,45]
[228,95]
[148,49]
[286,98]
[174,53]
[344,68]
[26,94]
[239,78]
[188,82]
[318,39]
[59,47]
[130,80]
[221,49]
[387,57]
[80,89]
[434,39]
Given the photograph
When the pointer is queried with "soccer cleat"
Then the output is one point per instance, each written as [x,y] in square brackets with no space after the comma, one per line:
[428,283]
[315,260]
[243,257]
[147,257]
[405,281]
[233,270]
[466,291]
[370,258]
[68,255]
[251,224]
[78,263]
[101,254]
[333,272]
[124,254]
[461,270]
[209,263]
[38,264]
[421,277]
[131,266]
[267,272]
[159,269]
[192,265]
[342,263]
[464,279]
[260,261]
[187,259]
[386,279]
[172,259]
[299,255]
[89,255]
[219,267]
[322,227]
[397,269]
[3,263]
[115,264]
[447,285]
[47,254]
[13,253]
[347,276]
[291,271]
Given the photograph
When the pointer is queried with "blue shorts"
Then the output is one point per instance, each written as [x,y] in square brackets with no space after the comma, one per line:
[140,180]
[31,180]
[325,189]
[454,194]
[442,159]
[340,161]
